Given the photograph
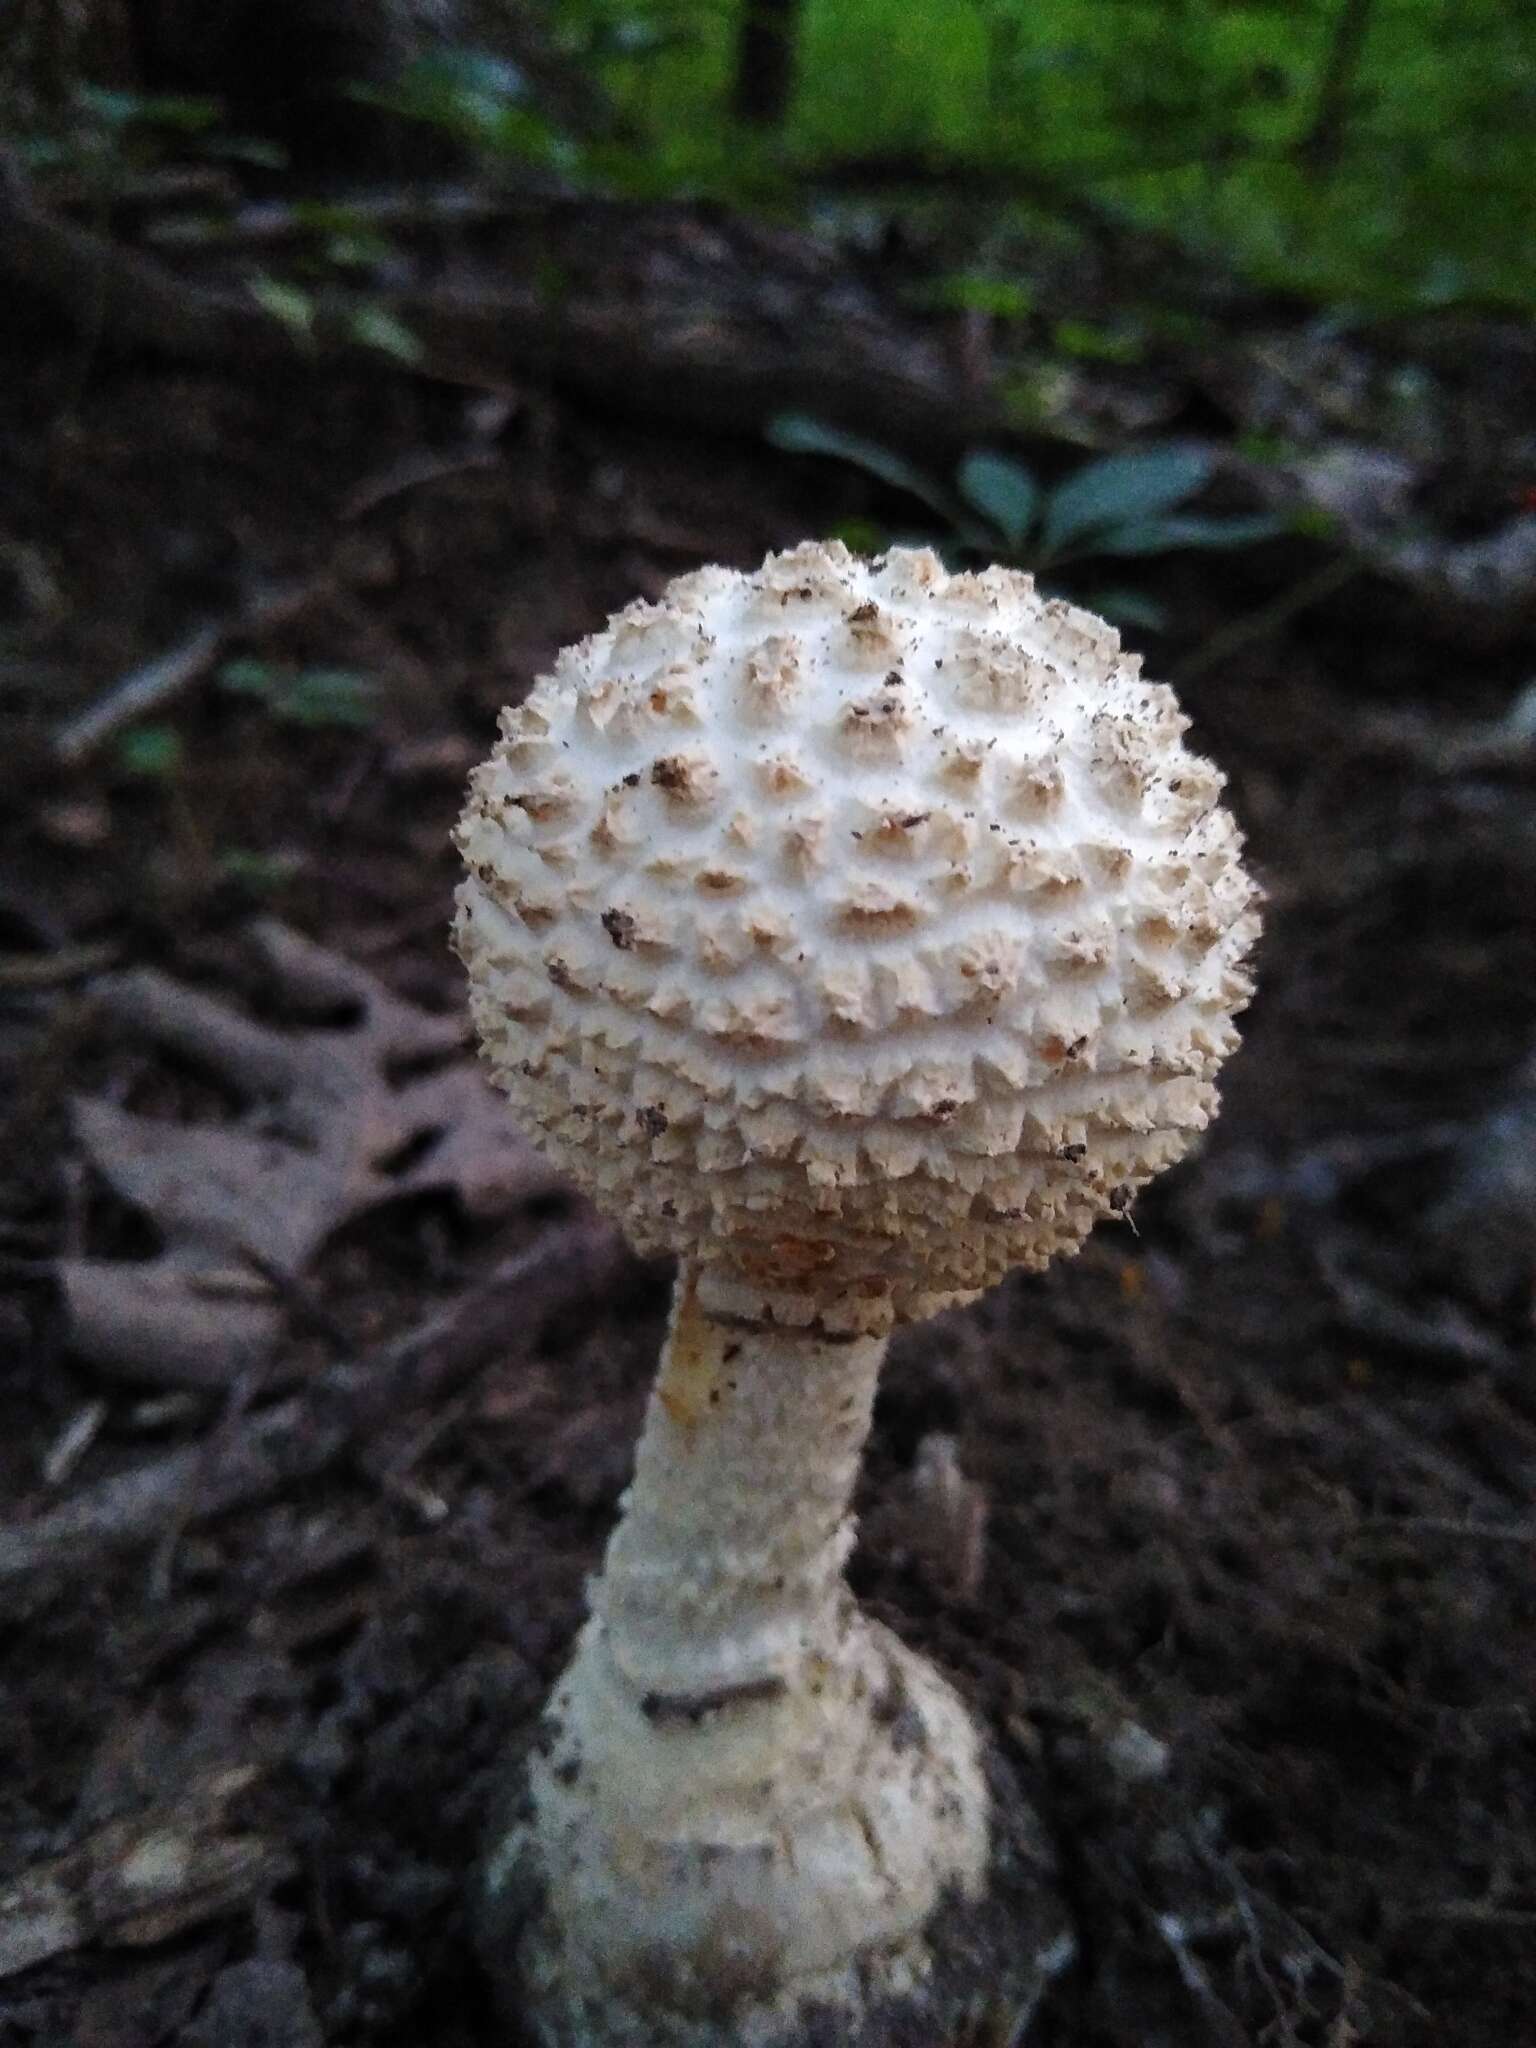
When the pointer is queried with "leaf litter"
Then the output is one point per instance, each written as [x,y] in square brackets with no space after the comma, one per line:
[337,1120]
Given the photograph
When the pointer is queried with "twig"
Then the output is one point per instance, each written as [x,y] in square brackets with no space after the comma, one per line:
[295,1439]
[1448,1525]
[304,1309]
[1221,2022]
[1480,1910]
[48,970]
[1414,1451]
[1266,619]
[73,1441]
[424,466]
[140,690]
[237,1405]
[1440,1331]
[152,686]
[163,185]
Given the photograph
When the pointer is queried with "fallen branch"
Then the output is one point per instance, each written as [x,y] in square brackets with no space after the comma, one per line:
[1266,620]
[295,1439]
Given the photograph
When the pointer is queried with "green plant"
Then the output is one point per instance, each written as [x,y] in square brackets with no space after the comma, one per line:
[256,872]
[108,137]
[303,696]
[971,291]
[151,753]
[481,100]
[1320,147]
[1122,505]
[373,326]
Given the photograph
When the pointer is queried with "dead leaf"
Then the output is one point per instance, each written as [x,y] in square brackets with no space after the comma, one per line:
[142,1879]
[337,1120]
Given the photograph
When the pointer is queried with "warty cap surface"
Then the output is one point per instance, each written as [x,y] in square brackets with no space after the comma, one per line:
[857,929]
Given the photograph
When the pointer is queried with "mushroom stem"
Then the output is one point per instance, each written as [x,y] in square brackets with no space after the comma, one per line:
[724,1577]
[748,1799]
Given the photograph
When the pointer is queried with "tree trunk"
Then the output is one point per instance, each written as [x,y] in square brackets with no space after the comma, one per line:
[1319,149]
[765,62]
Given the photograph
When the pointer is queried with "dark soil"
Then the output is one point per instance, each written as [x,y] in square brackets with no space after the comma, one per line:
[1254,1612]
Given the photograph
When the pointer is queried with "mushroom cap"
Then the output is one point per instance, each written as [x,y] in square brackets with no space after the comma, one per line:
[857,930]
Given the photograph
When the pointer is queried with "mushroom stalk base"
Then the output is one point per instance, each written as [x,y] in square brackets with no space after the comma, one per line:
[751,1815]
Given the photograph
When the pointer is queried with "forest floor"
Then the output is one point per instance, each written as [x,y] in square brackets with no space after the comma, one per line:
[1241,1564]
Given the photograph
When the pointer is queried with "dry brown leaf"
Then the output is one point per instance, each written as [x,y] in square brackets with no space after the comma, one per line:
[336,1121]
[144,1879]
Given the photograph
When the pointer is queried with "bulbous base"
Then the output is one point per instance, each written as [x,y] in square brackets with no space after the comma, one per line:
[895,1891]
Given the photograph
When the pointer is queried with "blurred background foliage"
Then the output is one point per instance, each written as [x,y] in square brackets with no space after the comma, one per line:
[1342,147]
[1373,154]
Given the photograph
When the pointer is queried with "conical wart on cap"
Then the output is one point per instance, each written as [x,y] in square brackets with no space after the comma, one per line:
[859,930]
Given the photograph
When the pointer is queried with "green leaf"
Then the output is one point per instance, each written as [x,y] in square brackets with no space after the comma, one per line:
[1271,449]
[326,696]
[153,751]
[249,678]
[313,697]
[1314,522]
[861,536]
[470,93]
[1090,344]
[255,150]
[1123,489]
[358,252]
[1002,491]
[376,327]
[799,434]
[1131,608]
[1163,536]
[331,217]
[287,303]
[257,872]
[1001,298]
[160,110]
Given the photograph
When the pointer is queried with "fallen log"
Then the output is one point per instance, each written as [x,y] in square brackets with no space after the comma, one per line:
[672,310]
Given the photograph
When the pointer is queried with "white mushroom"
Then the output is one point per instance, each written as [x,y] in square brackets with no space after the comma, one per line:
[857,932]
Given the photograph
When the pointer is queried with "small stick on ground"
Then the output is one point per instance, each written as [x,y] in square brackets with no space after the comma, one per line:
[152,686]
[1265,621]
[279,1446]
